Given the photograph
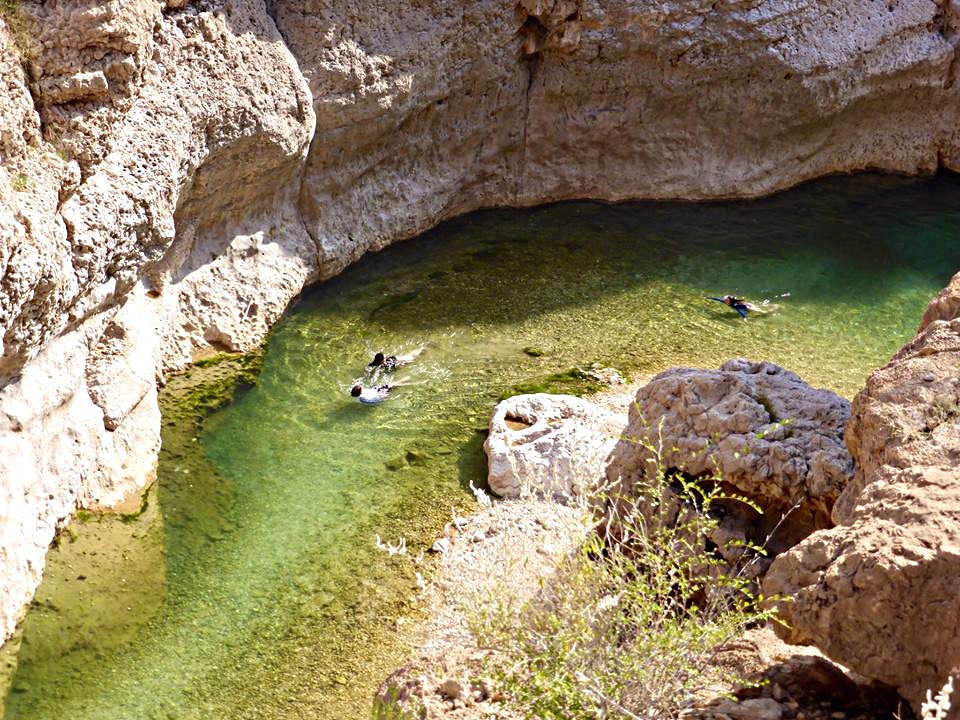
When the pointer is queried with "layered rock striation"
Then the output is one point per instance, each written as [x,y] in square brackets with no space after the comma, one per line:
[171,175]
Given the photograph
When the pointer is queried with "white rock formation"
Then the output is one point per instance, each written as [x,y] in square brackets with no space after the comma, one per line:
[549,446]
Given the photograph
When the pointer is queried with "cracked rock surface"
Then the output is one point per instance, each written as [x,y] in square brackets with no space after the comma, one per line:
[880,592]
[771,438]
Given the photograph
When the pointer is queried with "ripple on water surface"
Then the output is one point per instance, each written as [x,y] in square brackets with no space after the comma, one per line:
[256,591]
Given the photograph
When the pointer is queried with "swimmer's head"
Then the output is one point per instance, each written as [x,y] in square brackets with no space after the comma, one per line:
[356,390]
[377,360]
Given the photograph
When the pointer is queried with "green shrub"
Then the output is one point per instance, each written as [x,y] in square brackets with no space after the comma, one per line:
[17,25]
[9,8]
[629,627]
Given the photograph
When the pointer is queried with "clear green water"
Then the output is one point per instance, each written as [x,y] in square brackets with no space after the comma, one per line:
[252,588]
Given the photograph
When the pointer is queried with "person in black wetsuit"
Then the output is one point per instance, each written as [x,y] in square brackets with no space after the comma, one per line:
[380,361]
[392,362]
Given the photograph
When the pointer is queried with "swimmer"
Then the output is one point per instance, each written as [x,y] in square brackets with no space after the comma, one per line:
[379,361]
[737,304]
[371,395]
[392,362]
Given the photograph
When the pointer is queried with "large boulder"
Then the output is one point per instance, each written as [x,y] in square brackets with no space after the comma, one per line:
[555,446]
[768,435]
[880,592]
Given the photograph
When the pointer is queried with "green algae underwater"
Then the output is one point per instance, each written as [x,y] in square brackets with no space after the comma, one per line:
[250,585]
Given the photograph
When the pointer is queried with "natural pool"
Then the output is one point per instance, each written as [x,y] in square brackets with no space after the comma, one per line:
[250,587]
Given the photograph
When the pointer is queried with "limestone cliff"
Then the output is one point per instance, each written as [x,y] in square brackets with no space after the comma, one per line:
[172,174]
[148,205]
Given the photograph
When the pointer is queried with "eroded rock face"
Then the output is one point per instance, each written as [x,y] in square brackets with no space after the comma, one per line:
[550,446]
[426,111]
[153,211]
[420,115]
[769,435]
[881,592]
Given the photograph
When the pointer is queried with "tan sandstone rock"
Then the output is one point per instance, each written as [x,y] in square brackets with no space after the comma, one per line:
[881,592]
[552,446]
[172,226]
[945,306]
[769,435]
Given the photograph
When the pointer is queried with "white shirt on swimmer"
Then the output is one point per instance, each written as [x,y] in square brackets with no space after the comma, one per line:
[370,396]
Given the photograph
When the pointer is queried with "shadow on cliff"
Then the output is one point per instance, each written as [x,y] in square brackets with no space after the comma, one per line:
[504,266]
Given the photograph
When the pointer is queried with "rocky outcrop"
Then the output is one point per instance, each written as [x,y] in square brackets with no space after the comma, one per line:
[881,592]
[148,190]
[550,446]
[156,155]
[945,306]
[764,432]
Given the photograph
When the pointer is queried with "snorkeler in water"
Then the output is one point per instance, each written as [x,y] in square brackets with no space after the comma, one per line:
[380,361]
[392,362]
[736,303]
[371,395]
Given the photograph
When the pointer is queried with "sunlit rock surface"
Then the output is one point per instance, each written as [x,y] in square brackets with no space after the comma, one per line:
[764,432]
[881,591]
[430,110]
[141,219]
[550,446]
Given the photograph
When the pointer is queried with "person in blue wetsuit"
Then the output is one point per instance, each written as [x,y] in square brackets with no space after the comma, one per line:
[737,304]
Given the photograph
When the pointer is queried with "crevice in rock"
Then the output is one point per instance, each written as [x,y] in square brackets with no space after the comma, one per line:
[270,9]
[943,23]
[298,206]
[271,12]
[532,64]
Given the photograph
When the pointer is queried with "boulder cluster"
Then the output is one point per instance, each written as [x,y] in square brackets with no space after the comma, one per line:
[860,504]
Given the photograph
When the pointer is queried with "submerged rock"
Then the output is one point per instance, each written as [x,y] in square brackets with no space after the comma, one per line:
[881,591]
[553,446]
[771,438]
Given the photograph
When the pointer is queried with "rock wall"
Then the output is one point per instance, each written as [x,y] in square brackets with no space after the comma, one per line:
[880,592]
[172,174]
[425,111]
[148,205]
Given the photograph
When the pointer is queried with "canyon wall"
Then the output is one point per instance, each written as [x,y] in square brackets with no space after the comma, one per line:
[171,175]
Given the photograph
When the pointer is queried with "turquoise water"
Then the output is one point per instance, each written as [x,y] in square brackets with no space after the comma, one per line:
[271,601]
